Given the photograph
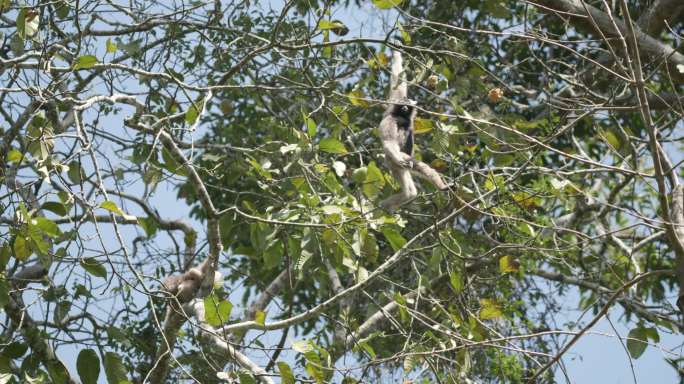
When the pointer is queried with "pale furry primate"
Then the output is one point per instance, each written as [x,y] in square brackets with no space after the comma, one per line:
[396,132]
[184,287]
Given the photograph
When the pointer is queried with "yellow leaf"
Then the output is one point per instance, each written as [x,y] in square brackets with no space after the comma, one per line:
[357,98]
[490,309]
[508,264]
[422,126]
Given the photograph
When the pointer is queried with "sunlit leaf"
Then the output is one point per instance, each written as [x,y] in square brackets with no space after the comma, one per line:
[286,375]
[216,311]
[302,346]
[422,126]
[47,226]
[490,309]
[332,145]
[387,4]
[21,247]
[373,180]
[14,156]
[357,98]
[260,317]
[335,26]
[111,46]
[112,207]
[508,264]
[85,62]
[456,280]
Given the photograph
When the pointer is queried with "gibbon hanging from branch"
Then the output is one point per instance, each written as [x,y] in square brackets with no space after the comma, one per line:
[396,133]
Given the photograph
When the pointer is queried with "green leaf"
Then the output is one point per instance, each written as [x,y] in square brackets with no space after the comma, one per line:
[286,375]
[394,238]
[114,369]
[368,246]
[611,138]
[311,127]
[111,46]
[85,62]
[21,23]
[5,254]
[58,372]
[246,377]
[171,164]
[335,26]
[75,173]
[193,112]
[15,350]
[112,207]
[263,172]
[373,181]
[4,292]
[314,370]
[490,309]
[21,247]
[456,281]
[93,267]
[47,226]
[652,334]
[55,207]
[88,366]
[217,312]
[636,342]
[404,35]
[327,50]
[38,241]
[332,145]
[62,9]
[386,4]
[149,225]
[273,255]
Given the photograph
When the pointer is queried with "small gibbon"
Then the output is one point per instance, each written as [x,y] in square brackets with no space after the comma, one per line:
[397,136]
[185,287]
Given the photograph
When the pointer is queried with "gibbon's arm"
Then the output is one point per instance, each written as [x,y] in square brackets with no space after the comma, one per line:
[398,86]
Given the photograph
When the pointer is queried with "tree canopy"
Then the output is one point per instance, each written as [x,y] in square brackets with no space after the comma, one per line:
[142,139]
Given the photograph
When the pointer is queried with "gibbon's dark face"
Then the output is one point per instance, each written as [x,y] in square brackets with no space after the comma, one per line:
[403,111]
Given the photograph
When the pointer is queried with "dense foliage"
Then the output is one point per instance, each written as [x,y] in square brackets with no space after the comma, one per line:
[139,139]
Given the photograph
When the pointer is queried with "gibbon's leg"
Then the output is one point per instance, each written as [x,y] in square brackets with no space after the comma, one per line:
[428,173]
[408,188]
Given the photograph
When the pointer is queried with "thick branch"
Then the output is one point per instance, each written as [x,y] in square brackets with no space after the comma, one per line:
[588,17]
[677,238]
[654,18]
